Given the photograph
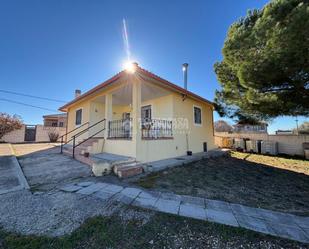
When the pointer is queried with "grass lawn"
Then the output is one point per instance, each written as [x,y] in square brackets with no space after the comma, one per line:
[161,231]
[275,183]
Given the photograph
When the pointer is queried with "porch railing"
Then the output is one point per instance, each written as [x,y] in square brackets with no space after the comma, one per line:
[157,129]
[120,128]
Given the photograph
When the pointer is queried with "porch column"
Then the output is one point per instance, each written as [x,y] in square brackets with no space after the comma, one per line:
[136,112]
[108,112]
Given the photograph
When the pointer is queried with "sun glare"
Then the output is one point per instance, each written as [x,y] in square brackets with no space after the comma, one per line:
[129,66]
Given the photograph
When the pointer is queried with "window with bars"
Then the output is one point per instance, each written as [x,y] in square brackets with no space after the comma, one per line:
[78,117]
[197,115]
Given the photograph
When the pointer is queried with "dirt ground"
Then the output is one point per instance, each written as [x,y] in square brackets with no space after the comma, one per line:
[274,183]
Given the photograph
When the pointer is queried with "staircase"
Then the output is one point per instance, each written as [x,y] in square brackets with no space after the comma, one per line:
[91,146]
[90,152]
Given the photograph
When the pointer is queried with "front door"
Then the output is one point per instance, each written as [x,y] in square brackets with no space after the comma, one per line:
[30,131]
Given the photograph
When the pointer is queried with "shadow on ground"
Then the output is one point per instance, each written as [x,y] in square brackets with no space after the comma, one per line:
[44,165]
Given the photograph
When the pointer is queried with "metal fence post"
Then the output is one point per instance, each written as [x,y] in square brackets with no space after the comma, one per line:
[61,145]
[73,152]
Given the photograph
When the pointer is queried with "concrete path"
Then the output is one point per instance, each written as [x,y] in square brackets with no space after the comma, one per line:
[46,166]
[11,175]
[261,220]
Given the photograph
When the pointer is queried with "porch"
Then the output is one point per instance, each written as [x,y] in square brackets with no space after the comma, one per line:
[117,121]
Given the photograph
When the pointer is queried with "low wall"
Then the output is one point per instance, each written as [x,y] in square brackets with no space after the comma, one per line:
[42,132]
[18,136]
[287,144]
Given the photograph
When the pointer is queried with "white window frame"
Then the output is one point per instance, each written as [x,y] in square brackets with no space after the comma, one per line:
[81,118]
[197,124]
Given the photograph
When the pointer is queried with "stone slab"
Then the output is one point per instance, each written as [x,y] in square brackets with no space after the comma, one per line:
[278,218]
[92,188]
[302,221]
[131,192]
[145,202]
[218,205]
[226,218]
[254,224]
[85,184]
[170,196]
[112,188]
[290,232]
[167,206]
[124,198]
[197,201]
[244,210]
[103,195]
[149,194]
[192,211]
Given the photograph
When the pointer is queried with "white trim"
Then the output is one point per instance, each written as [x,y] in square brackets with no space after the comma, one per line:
[196,124]
[81,118]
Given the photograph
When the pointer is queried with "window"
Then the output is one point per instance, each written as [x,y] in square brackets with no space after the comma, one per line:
[78,117]
[54,124]
[146,113]
[197,115]
[60,124]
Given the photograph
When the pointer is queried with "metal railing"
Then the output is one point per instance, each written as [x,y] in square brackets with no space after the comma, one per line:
[121,128]
[66,134]
[74,145]
[157,129]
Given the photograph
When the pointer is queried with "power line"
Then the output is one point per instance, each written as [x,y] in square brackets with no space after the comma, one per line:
[34,106]
[32,96]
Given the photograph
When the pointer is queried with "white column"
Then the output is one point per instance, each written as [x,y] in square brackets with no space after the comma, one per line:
[108,112]
[136,113]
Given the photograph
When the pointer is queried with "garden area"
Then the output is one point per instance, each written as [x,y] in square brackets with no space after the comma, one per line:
[270,182]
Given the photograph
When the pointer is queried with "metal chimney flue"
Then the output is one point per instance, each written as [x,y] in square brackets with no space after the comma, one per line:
[185,75]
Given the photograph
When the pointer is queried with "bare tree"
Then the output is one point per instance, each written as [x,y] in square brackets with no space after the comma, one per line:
[9,123]
[222,126]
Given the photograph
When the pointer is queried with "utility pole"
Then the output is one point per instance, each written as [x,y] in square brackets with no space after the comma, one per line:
[296,120]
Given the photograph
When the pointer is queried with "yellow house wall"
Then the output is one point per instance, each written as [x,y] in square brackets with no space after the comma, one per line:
[85,106]
[170,106]
[174,107]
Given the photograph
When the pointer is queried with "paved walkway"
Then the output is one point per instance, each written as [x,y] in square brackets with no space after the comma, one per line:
[11,175]
[42,164]
[265,221]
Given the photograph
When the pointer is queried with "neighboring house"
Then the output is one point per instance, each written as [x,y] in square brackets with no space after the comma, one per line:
[284,132]
[55,120]
[140,115]
[249,128]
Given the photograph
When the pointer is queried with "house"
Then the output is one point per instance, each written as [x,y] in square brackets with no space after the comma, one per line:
[284,132]
[55,120]
[139,115]
[242,127]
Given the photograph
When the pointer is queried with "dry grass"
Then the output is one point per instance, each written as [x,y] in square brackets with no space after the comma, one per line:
[275,183]
[161,231]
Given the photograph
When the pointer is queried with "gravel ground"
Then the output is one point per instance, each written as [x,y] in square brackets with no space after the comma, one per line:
[49,213]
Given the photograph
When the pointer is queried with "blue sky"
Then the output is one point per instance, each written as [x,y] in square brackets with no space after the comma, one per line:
[50,45]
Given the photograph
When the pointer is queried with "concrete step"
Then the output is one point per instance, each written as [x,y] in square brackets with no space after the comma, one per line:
[128,169]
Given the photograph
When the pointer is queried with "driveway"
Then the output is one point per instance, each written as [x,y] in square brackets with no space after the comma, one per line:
[11,176]
[45,167]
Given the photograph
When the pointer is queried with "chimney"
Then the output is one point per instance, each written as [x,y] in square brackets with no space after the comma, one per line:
[185,74]
[77,93]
